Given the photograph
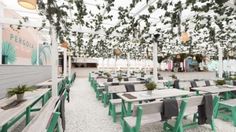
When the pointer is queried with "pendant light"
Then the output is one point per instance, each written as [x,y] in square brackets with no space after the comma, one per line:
[28,4]
[184,37]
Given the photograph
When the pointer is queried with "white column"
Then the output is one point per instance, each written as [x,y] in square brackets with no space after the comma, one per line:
[1,26]
[69,66]
[220,66]
[54,61]
[37,59]
[65,62]
[115,63]
[155,62]
[145,65]
[128,64]
[103,65]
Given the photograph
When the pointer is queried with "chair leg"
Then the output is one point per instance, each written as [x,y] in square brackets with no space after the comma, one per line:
[109,109]
[195,117]
[233,110]
[113,112]
[213,125]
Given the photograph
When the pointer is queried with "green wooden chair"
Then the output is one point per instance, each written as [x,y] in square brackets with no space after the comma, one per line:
[147,113]
[150,112]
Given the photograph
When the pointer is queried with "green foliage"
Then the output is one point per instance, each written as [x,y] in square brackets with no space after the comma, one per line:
[119,77]
[9,51]
[220,82]
[19,90]
[173,76]
[107,74]
[151,85]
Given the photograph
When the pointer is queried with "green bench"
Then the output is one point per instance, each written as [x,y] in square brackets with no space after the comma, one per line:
[147,113]
[47,119]
[229,110]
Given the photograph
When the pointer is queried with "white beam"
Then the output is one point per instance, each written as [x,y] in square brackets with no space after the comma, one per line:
[54,61]
[1,15]
[144,7]
[14,21]
[220,66]
[65,62]
[69,64]
[128,64]
[155,62]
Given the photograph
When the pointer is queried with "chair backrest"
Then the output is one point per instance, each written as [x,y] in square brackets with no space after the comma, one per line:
[201,83]
[132,79]
[185,85]
[160,85]
[116,89]
[212,82]
[193,103]
[129,87]
[149,108]
[140,87]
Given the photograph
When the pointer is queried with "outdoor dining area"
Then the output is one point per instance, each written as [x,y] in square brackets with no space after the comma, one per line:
[144,102]
[117,66]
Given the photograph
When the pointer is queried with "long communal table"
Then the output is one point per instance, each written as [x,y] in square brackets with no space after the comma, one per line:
[226,89]
[143,96]
[10,116]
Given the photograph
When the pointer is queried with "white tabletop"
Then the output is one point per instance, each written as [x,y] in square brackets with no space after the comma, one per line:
[6,115]
[156,94]
[216,89]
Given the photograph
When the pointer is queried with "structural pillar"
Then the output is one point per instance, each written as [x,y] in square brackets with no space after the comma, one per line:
[128,64]
[220,57]
[1,27]
[65,62]
[155,62]
[54,60]
[69,65]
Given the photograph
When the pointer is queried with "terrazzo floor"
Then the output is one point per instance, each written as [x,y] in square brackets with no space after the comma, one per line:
[84,113]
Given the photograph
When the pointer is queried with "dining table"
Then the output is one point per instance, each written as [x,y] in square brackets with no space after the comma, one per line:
[225,89]
[140,96]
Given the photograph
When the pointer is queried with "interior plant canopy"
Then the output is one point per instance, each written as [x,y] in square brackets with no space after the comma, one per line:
[94,28]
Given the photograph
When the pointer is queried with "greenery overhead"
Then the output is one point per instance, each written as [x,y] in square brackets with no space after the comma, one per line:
[208,22]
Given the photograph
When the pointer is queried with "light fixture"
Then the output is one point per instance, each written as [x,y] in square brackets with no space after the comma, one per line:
[28,4]
[64,44]
[178,56]
[184,37]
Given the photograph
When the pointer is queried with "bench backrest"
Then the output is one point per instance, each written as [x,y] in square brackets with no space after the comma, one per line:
[160,85]
[212,82]
[116,89]
[148,108]
[185,85]
[140,87]
[201,83]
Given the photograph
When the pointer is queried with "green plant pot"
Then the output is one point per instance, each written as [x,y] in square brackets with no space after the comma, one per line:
[19,97]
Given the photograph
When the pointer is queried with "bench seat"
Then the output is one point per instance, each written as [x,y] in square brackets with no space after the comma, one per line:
[230,102]
[40,122]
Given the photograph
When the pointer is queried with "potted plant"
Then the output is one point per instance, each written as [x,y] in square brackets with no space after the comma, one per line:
[150,87]
[119,77]
[173,76]
[107,74]
[142,73]
[220,82]
[19,91]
